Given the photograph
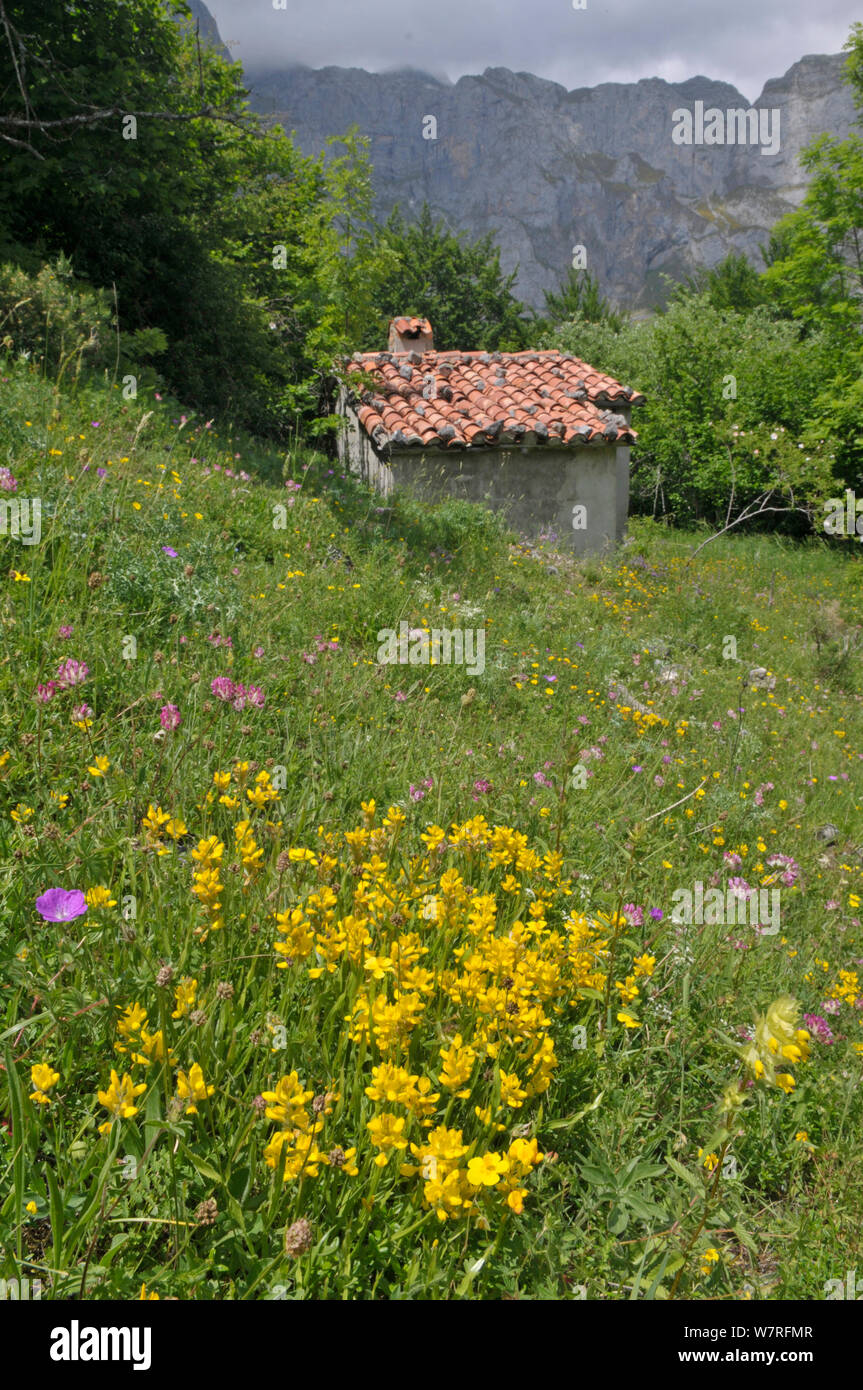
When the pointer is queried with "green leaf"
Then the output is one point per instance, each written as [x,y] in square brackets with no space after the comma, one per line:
[16,1106]
[571,1120]
[684,1173]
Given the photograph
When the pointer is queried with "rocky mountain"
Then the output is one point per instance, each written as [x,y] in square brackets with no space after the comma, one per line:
[546,169]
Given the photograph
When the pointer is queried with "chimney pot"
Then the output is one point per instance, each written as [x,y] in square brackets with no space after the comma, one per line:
[411,335]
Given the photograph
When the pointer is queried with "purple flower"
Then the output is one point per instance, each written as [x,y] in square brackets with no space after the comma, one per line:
[7,482]
[255,696]
[222,688]
[656,913]
[169,550]
[58,905]
[170,717]
[819,1027]
[416,793]
[481,787]
[71,672]
[81,712]
[65,631]
[633,914]
[44,693]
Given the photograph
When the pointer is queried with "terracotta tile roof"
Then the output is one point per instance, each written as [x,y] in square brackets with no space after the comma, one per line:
[411,325]
[458,399]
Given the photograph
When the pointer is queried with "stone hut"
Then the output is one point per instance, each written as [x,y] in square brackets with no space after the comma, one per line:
[540,436]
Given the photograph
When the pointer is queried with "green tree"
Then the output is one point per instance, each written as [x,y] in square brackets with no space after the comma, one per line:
[131,150]
[579,297]
[731,284]
[458,285]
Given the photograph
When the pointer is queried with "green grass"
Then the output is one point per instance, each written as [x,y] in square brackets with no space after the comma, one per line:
[621,1205]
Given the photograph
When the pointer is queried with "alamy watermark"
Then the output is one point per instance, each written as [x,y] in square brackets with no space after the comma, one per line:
[419,646]
[848,1288]
[845,517]
[731,907]
[736,126]
[22,516]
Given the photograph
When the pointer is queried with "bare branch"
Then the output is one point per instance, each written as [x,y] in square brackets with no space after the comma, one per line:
[752,510]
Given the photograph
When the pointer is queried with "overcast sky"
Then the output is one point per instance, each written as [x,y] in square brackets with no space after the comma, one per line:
[740,41]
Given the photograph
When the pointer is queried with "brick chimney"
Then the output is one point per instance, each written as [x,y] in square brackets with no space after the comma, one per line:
[410,335]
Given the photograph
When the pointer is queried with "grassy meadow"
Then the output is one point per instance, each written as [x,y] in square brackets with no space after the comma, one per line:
[363,980]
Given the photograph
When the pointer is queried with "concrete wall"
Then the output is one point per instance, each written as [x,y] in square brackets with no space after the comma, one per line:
[536,486]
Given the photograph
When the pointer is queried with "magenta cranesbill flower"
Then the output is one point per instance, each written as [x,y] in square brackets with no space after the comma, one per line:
[60,905]
[71,672]
[170,717]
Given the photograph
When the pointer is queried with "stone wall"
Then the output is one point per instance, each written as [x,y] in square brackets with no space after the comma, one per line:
[535,487]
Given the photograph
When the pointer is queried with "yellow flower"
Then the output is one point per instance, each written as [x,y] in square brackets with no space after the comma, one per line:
[185,996]
[118,1099]
[708,1259]
[99,767]
[628,1020]
[21,813]
[209,852]
[147,1297]
[43,1078]
[193,1087]
[99,897]
[386,1132]
[511,1092]
[32,1208]
[487,1169]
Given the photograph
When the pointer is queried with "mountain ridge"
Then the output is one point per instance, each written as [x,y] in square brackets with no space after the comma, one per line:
[546,168]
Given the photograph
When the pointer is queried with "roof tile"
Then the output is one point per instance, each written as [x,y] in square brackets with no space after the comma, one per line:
[449,399]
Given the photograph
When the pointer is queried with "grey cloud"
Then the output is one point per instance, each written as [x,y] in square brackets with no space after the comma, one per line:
[743,42]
